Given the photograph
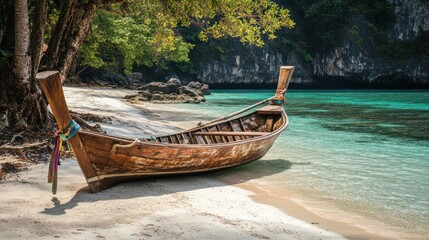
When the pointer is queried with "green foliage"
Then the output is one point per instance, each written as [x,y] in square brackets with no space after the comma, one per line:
[379,17]
[327,22]
[212,49]
[324,23]
[117,42]
[4,55]
[146,32]
[381,14]
[52,19]
[290,41]
[404,50]
[246,20]
[5,8]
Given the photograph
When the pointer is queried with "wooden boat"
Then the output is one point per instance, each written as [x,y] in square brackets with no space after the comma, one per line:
[230,141]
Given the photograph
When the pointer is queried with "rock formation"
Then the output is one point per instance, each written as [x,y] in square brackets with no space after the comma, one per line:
[171,91]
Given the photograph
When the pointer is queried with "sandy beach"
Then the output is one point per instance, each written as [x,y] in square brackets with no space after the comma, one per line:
[190,207]
[172,208]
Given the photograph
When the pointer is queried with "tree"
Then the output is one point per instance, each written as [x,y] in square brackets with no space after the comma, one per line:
[21,56]
[146,32]
[325,20]
[70,31]
[134,42]
[21,101]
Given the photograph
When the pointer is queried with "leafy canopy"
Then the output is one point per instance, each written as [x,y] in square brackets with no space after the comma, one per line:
[117,42]
[144,32]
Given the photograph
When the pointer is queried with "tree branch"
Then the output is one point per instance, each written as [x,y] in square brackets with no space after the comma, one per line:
[37,35]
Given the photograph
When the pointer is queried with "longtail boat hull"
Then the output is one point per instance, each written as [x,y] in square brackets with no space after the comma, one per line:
[155,160]
[106,160]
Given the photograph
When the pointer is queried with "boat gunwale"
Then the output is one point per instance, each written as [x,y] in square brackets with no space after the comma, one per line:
[189,146]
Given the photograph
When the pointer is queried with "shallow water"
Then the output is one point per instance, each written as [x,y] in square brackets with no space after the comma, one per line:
[361,152]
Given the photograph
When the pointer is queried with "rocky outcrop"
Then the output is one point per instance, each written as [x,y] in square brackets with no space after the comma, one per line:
[412,17]
[355,62]
[171,91]
[353,65]
[103,78]
[200,88]
[255,67]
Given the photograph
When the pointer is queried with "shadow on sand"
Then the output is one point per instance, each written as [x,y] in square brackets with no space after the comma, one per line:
[167,185]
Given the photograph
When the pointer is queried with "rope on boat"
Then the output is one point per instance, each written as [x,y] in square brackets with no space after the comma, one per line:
[136,141]
[277,99]
[60,137]
[117,146]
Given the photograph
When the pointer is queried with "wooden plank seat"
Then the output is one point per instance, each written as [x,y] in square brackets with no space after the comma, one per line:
[231,133]
[270,109]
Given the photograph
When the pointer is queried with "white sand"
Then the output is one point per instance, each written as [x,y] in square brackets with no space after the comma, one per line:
[127,119]
[193,207]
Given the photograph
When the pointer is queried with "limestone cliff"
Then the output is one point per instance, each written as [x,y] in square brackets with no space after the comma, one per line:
[261,68]
[354,59]
[353,62]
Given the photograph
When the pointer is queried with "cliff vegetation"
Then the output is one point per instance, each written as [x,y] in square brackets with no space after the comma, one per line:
[344,42]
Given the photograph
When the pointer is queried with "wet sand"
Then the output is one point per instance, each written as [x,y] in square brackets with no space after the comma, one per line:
[282,200]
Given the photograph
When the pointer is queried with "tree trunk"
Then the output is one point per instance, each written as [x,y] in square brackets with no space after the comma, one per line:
[21,102]
[65,20]
[25,106]
[37,36]
[77,40]
[21,56]
[21,65]
[70,31]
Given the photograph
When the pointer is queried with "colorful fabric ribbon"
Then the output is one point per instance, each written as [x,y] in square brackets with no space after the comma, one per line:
[60,136]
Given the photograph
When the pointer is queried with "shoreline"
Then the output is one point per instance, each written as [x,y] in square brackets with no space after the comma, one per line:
[328,217]
[165,115]
[299,205]
[167,118]
[281,200]
[272,212]
[302,207]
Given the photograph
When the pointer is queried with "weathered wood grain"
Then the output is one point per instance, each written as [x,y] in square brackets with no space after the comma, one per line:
[51,85]
[106,160]
[231,133]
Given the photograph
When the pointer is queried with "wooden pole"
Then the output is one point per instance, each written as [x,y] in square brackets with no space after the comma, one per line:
[50,82]
[284,78]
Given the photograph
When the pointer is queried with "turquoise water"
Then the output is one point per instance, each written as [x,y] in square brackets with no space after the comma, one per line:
[364,152]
